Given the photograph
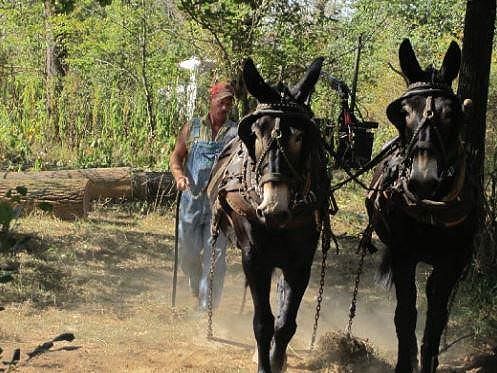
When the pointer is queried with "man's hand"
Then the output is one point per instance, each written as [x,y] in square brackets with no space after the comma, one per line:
[177,159]
[182,183]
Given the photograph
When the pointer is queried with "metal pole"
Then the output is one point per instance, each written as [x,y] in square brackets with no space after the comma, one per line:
[356,74]
[175,271]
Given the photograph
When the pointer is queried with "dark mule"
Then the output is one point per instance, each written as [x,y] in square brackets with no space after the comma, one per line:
[423,202]
[270,187]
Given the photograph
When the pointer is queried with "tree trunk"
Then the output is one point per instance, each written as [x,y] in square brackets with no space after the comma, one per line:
[145,82]
[54,72]
[105,182]
[474,73]
[68,199]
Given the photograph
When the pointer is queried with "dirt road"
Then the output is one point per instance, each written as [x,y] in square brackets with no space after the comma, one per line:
[108,281]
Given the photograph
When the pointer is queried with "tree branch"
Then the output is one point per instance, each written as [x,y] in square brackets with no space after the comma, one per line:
[398,72]
[22,68]
[454,342]
[209,28]
[118,68]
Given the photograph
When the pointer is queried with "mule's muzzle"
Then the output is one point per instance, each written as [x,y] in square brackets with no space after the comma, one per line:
[273,177]
[274,209]
[424,178]
[274,219]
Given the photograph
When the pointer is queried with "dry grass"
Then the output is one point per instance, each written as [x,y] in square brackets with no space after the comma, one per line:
[343,353]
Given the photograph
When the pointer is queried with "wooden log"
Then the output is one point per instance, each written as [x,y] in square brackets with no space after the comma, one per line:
[154,186]
[69,198]
[115,182]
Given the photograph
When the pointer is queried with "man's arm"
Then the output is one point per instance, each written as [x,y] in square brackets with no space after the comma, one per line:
[177,159]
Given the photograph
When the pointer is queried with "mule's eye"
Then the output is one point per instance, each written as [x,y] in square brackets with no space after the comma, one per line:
[256,128]
[448,113]
[297,135]
[406,110]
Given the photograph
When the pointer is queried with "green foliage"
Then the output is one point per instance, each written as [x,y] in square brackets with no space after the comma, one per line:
[118,103]
[8,212]
[6,216]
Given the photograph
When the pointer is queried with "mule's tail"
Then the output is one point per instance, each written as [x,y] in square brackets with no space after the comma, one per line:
[385,274]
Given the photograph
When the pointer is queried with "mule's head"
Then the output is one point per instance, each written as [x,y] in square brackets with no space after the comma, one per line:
[430,120]
[277,136]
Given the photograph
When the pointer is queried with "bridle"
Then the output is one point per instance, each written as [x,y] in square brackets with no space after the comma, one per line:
[276,135]
[453,207]
[300,183]
[430,91]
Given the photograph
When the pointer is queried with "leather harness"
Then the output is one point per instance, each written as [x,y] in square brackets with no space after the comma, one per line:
[389,188]
[238,178]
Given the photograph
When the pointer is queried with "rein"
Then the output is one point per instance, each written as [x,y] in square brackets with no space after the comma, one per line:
[275,139]
[280,110]
[453,207]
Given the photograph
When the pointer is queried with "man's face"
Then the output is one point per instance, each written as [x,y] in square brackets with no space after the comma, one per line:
[220,108]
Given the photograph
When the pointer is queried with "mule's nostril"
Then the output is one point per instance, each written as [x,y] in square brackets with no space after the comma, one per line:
[281,217]
[259,212]
[423,189]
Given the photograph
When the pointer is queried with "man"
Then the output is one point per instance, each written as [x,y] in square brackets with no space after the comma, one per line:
[197,147]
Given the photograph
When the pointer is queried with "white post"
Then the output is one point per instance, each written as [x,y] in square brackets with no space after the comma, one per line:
[191,90]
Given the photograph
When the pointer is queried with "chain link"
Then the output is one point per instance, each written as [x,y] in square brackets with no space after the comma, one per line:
[211,282]
[353,304]
[325,246]
[320,299]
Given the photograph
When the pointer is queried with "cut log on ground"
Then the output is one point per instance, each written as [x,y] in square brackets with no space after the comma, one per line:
[113,182]
[68,199]
[154,186]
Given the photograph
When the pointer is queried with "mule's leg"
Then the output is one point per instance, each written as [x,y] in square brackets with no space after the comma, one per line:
[292,285]
[438,289]
[259,280]
[404,273]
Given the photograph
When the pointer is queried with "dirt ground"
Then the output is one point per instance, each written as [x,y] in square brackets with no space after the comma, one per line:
[108,280]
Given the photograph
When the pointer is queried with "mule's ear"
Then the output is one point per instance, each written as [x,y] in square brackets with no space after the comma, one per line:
[452,63]
[409,63]
[304,87]
[256,85]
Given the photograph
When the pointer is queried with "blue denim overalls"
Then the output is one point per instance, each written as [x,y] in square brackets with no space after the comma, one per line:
[195,218]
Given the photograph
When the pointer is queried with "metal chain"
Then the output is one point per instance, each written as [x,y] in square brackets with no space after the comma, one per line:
[320,299]
[353,304]
[211,282]
[325,245]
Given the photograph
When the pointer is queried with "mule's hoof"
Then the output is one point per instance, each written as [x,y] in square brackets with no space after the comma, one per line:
[275,367]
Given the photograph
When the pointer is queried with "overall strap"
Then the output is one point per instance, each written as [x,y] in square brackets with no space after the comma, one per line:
[195,130]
